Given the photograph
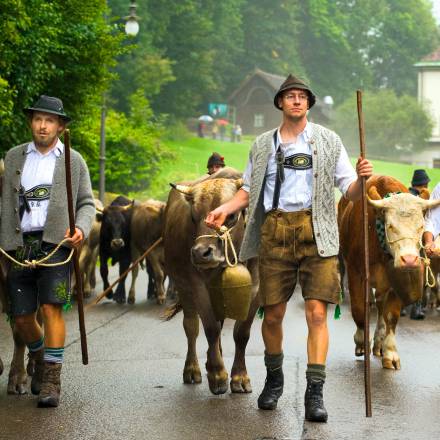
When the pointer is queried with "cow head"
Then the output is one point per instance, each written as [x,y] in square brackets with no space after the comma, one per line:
[115,225]
[403,217]
[208,250]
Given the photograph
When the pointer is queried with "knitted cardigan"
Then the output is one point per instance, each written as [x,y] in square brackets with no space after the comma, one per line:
[57,220]
[326,147]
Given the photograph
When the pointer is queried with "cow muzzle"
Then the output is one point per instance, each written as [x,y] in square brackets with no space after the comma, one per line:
[409,262]
[117,243]
[206,256]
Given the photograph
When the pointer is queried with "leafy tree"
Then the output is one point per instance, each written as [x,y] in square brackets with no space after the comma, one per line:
[387,120]
[56,48]
[133,148]
[271,30]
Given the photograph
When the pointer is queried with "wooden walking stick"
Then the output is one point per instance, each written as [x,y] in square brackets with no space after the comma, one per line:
[367,376]
[78,277]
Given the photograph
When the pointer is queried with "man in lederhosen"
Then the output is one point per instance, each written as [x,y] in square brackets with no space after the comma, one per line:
[289,188]
[34,219]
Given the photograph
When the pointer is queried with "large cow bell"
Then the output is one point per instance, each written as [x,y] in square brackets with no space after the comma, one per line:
[230,293]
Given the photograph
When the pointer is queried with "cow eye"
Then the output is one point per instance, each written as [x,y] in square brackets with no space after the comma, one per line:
[231,220]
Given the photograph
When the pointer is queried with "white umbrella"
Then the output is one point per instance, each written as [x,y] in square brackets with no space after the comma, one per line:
[205,118]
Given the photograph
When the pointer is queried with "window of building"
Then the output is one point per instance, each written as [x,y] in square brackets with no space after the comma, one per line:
[258,120]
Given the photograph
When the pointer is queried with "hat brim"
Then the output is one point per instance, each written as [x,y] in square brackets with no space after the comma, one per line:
[312,97]
[63,116]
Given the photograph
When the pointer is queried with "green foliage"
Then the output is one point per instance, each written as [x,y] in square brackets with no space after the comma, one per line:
[57,48]
[134,152]
[387,120]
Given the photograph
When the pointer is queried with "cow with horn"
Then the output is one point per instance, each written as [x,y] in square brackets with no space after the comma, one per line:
[396,225]
[196,257]
[38,236]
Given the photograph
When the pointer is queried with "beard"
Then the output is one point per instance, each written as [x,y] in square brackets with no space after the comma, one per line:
[43,142]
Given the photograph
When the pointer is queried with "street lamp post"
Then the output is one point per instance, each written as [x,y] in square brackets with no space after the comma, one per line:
[131,29]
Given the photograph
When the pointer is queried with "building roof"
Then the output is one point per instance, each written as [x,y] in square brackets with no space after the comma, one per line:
[433,59]
[272,80]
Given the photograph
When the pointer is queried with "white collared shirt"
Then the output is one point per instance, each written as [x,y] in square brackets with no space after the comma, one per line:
[432,219]
[296,190]
[38,169]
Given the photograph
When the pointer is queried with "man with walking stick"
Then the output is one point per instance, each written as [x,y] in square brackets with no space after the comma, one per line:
[34,221]
[289,189]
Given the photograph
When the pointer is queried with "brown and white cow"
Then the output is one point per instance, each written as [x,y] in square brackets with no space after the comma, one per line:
[396,273]
[146,227]
[191,261]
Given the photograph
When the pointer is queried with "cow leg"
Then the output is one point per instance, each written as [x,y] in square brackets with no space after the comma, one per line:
[30,367]
[159,276]
[120,295]
[391,314]
[93,263]
[357,310]
[104,272]
[240,382]
[151,292]
[85,268]
[17,374]
[134,274]
[191,371]
[1,367]
[217,374]
[379,333]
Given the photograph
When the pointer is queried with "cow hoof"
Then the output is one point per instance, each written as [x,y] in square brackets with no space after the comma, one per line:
[160,300]
[87,293]
[359,351]
[241,384]
[192,375]
[16,386]
[218,382]
[391,364]
[377,351]
[109,295]
[131,300]
[119,299]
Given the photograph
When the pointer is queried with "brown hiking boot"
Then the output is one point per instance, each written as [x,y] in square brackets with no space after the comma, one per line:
[51,386]
[36,359]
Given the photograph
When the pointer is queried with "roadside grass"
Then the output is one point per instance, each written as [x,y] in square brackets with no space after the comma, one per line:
[192,154]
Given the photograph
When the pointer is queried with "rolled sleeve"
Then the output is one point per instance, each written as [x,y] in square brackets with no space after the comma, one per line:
[247,176]
[345,174]
[432,219]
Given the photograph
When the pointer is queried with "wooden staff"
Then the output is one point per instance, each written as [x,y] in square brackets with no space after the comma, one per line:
[367,376]
[133,265]
[78,277]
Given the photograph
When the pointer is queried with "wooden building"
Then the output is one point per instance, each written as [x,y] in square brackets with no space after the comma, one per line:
[252,103]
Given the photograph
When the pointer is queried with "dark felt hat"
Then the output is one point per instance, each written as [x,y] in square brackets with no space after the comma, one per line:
[215,159]
[49,104]
[293,82]
[420,178]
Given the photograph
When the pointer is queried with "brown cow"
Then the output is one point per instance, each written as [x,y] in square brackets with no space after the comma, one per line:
[191,260]
[396,272]
[146,227]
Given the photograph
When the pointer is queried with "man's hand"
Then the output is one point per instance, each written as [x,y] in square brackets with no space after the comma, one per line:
[364,168]
[76,240]
[216,218]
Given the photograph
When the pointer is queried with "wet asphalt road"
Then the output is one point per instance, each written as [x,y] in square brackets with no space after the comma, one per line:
[132,387]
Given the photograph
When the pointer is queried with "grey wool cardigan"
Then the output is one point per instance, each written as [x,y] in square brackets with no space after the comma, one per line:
[57,220]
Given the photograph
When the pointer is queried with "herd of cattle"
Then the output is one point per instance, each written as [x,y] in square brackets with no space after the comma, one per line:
[191,255]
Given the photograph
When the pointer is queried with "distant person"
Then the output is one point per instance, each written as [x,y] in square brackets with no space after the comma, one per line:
[238,133]
[215,163]
[200,129]
[222,132]
[214,131]
[419,182]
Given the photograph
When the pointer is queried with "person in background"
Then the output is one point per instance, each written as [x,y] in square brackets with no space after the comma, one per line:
[238,133]
[419,182]
[215,163]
